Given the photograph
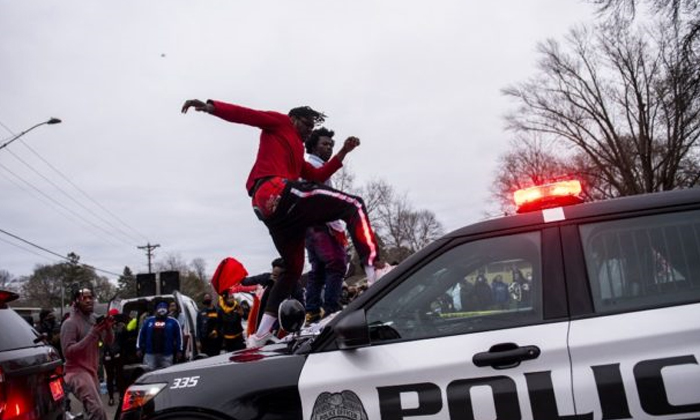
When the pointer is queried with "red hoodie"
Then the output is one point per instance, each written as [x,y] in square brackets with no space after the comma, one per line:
[281,150]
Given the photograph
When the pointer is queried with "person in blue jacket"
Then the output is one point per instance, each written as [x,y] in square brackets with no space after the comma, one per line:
[160,339]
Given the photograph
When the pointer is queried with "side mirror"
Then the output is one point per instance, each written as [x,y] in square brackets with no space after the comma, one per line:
[352,331]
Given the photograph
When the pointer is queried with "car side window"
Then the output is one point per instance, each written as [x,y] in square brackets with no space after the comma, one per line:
[643,262]
[482,285]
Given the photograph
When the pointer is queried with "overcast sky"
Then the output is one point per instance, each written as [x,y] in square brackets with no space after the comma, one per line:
[418,82]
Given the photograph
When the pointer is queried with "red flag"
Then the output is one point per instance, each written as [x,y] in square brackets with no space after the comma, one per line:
[229,273]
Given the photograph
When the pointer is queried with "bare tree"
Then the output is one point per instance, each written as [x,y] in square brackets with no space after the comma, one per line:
[424,228]
[396,221]
[682,15]
[531,161]
[199,269]
[344,180]
[622,106]
[5,280]
[376,194]
[173,261]
[43,287]
[103,289]
[193,280]
[627,9]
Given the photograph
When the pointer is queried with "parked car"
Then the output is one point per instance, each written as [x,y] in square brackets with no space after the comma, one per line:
[188,309]
[566,310]
[31,371]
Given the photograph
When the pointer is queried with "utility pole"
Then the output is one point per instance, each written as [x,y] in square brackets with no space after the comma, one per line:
[149,253]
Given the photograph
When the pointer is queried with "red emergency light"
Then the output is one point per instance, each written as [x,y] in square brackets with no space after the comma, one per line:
[6,296]
[540,197]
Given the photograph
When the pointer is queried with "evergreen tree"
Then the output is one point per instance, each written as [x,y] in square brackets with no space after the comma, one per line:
[126,284]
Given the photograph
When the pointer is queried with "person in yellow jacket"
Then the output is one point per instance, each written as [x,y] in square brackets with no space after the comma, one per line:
[231,316]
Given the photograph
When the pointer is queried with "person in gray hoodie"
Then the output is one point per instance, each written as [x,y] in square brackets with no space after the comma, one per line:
[80,337]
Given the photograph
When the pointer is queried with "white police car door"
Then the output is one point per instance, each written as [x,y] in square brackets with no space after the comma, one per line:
[441,338]
[635,355]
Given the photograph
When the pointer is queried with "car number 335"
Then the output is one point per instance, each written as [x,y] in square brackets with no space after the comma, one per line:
[185,382]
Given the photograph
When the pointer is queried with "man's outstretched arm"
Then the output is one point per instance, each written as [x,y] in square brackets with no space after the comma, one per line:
[237,114]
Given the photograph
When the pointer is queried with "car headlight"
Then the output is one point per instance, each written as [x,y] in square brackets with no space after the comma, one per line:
[136,396]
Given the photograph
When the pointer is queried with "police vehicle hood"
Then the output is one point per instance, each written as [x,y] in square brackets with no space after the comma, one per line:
[255,383]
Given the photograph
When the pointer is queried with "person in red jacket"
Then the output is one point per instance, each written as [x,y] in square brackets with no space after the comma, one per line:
[287,205]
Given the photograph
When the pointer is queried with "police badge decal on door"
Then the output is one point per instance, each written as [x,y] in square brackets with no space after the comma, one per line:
[342,405]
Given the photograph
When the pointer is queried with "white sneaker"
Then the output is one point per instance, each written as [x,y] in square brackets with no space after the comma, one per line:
[255,341]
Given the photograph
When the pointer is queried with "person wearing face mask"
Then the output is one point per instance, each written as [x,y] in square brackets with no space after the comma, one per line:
[231,316]
[208,325]
[160,339]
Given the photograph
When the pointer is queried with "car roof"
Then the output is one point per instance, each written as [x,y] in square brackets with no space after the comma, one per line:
[635,203]
[168,297]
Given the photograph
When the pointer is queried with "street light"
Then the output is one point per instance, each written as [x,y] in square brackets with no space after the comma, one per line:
[50,122]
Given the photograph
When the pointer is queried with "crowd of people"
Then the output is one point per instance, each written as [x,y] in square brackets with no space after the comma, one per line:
[294,197]
[97,348]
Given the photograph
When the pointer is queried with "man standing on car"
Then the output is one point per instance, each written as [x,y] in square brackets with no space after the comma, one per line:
[288,206]
[160,339]
[325,243]
[80,337]
[208,327]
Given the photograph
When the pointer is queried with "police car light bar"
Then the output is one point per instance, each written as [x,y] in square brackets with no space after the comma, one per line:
[6,296]
[547,196]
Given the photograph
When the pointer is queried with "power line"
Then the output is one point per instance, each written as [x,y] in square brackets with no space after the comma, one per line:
[85,194]
[130,236]
[27,250]
[55,203]
[55,253]
[73,200]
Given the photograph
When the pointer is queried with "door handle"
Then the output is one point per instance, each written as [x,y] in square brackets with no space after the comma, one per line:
[505,356]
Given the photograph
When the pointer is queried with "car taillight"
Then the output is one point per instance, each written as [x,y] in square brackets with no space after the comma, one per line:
[3,395]
[547,196]
[137,396]
[12,405]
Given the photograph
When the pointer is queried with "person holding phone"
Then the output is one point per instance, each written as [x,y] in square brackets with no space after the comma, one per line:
[80,337]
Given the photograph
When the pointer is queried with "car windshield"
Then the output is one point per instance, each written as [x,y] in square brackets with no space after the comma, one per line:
[15,333]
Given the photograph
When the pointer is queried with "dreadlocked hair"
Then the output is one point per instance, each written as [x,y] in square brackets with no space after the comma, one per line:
[315,135]
[308,112]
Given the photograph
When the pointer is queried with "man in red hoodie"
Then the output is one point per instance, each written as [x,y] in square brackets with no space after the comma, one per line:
[287,205]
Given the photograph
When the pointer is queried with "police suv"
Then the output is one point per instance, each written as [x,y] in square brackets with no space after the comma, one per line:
[564,311]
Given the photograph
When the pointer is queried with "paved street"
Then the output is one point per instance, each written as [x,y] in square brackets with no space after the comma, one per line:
[77,407]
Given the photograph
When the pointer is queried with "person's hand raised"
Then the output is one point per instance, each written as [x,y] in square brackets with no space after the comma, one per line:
[350,144]
[198,106]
